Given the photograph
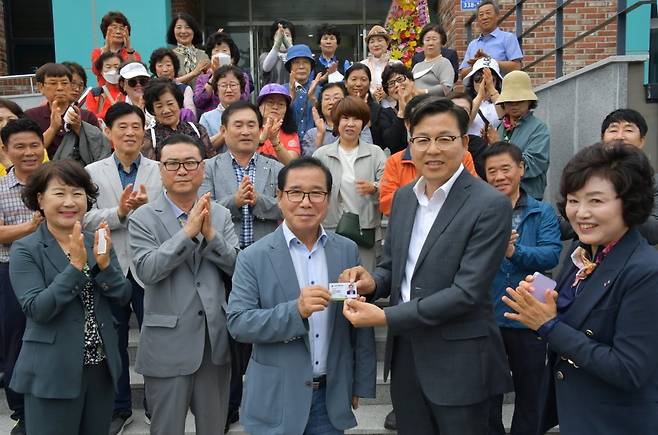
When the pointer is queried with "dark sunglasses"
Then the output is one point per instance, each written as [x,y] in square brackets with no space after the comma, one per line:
[140,80]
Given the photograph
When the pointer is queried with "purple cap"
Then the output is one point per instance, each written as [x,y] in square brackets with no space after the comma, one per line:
[273,89]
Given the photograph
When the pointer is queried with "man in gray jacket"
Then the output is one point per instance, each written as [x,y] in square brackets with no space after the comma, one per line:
[181,244]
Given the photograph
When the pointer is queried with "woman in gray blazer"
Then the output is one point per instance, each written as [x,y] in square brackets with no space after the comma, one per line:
[69,364]
[356,168]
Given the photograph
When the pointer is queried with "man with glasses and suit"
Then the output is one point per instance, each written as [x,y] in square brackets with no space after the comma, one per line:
[183,245]
[444,348]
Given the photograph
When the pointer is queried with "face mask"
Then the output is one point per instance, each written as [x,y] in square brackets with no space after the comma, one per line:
[111,76]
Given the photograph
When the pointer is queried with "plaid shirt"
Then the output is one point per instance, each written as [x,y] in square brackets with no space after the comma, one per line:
[247,233]
[12,209]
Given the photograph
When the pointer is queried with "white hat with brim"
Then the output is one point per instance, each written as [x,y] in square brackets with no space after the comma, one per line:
[134,69]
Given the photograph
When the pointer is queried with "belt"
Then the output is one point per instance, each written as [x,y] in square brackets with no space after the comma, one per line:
[319,382]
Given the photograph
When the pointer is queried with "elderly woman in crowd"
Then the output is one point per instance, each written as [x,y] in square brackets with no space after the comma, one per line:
[78,79]
[378,58]
[356,168]
[69,363]
[323,133]
[435,74]
[524,130]
[163,99]
[278,139]
[357,82]
[164,63]
[273,63]
[226,82]
[133,78]
[222,51]
[116,32]
[483,85]
[599,322]
[185,33]
[102,97]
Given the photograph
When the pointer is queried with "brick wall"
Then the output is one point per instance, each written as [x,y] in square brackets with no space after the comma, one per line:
[190,6]
[3,41]
[579,17]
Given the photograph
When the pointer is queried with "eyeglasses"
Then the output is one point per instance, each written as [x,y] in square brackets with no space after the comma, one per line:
[297,196]
[76,86]
[230,85]
[423,142]
[140,80]
[189,165]
[477,77]
[399,80]
[274,103]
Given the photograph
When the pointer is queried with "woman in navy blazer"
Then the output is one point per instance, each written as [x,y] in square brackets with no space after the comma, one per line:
[602,371]
[69,363]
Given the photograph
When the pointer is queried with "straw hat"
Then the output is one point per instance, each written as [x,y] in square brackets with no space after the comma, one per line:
[378,31]
[516,87]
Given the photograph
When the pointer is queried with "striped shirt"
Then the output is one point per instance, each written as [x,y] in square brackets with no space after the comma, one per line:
[12,209]
[246,236]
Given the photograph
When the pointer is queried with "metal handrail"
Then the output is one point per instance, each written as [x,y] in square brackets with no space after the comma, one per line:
[22,76]
[558,11]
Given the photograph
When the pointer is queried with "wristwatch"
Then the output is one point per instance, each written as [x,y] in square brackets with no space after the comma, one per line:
[130,51]
[376,184]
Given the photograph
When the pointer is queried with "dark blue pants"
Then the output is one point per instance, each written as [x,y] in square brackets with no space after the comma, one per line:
[318,419]
[12,326]
[240,354]
[526,355]
[121,314]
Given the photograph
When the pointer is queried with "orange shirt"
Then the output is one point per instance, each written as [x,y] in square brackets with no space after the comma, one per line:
[289,142]
[400,171]
[93,103]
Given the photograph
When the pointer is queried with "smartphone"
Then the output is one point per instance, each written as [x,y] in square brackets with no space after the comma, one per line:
[222,59]
[541,283]
[102,243]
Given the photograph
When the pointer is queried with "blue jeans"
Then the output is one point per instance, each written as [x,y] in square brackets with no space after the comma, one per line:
[318,419]
[121,314]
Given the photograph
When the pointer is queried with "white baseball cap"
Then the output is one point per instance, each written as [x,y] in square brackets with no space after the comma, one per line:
[483,62]
[134,69]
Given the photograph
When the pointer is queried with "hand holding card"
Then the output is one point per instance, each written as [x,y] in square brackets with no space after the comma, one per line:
[343,290]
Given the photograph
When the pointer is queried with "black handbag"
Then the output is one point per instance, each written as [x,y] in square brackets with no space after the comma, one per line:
[349,226]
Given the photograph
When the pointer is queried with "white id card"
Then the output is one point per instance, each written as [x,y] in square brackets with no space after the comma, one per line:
[342,290]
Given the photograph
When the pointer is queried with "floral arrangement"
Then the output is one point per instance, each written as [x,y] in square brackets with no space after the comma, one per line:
[404,22]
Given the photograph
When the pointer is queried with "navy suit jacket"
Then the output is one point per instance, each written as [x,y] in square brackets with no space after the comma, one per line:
[602,372]
[48,289]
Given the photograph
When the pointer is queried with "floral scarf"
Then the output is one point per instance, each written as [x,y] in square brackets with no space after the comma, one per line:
[581,258]
[510,125]
[189,57]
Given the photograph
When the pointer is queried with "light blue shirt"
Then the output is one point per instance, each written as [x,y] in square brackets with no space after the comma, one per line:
[311,269]
[212,120]
[499,44]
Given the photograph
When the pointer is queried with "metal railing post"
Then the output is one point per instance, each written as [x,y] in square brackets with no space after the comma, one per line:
[518,13]
[621,27]
[559,38]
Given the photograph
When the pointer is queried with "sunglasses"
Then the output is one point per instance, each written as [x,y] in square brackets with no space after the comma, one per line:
[141,80]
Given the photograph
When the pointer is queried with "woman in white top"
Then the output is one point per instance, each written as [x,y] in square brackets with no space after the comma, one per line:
[435,73]
[378,42]
[356,168]
[483,85]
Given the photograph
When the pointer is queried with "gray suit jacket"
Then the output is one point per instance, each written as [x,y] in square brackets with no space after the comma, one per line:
[458,350]
[220,181]
[105,175]
[184,291]
[48,289]
[263,311]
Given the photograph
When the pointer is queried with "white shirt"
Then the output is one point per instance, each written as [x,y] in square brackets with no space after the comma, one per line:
[311,269]
[349,199]
[488,109]
[426,213]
